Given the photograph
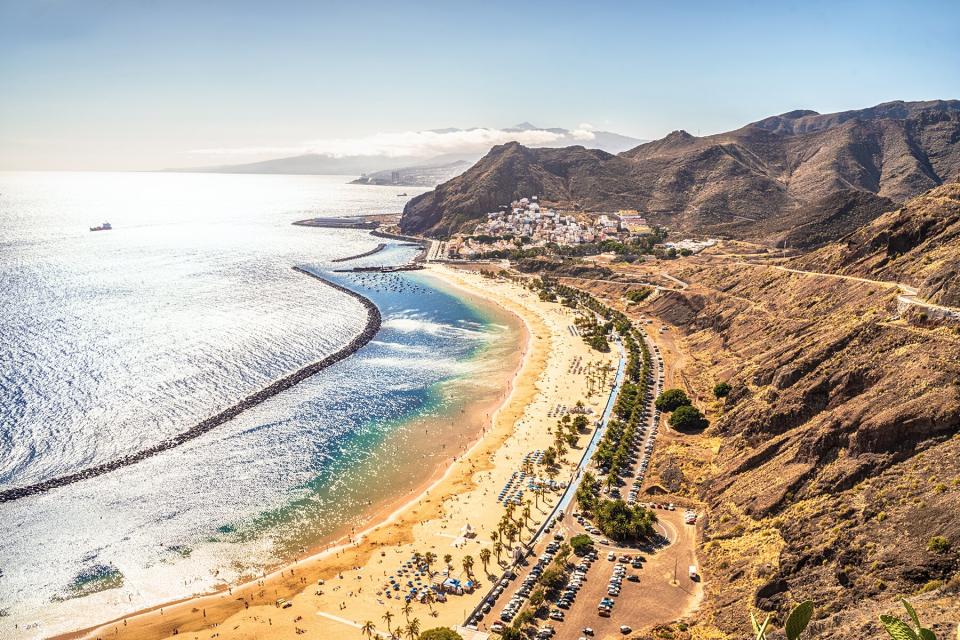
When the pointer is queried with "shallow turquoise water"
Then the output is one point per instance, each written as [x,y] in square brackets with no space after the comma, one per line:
[116,340]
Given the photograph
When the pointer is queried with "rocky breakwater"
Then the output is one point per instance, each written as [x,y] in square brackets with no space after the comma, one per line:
[370,329]
[380,247]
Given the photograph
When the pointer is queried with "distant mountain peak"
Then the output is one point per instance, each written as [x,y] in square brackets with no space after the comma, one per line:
[525,126]
[679,135]
[798,113]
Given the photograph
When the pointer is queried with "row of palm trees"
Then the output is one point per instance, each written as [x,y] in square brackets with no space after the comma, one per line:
[410,630]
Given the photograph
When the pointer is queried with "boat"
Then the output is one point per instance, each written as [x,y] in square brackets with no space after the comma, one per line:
[400,195]
[103,227]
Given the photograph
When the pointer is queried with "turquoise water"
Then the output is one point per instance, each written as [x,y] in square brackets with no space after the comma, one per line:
[116,340]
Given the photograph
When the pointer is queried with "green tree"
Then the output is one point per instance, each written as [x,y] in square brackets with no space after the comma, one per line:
[721,389]
[485,558]
[388,618]
[440,633]
[511,633]
[688,418]
[581,544]
[413,629]
[672,399]
[553,578]
[368,629]
[468,565]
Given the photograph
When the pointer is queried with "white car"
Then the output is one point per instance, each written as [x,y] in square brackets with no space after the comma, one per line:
[624,629]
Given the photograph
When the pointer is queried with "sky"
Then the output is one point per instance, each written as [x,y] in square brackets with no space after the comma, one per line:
[137,85]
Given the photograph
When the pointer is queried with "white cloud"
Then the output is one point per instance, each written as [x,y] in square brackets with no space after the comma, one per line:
[409,143]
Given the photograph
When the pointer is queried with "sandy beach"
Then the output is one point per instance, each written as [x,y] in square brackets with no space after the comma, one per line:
[334,592]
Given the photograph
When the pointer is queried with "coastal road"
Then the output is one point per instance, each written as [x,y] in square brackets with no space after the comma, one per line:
[908,294]
[539,540]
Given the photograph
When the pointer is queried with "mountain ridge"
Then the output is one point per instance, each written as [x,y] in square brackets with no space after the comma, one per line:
[426,164]
[779,164]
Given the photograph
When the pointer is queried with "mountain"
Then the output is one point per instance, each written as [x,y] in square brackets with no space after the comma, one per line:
[310,164]
[464,147]
[918,245]
[834,460]
[777,166]
[427,175]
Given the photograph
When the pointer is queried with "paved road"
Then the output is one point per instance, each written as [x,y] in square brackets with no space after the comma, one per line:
[657,596]
[908,294]
[540,540]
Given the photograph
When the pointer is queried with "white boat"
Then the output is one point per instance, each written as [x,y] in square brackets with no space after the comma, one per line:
[103,227]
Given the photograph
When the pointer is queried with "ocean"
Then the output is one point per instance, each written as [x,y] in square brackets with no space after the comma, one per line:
[114,341]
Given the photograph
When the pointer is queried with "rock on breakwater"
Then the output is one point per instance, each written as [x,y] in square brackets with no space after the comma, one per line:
[380,247]
[370,329]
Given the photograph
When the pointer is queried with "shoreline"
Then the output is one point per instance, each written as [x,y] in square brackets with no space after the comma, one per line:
[331,593]
[370,329]
[394,513]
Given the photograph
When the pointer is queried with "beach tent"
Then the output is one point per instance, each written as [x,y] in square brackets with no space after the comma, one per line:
[467,531]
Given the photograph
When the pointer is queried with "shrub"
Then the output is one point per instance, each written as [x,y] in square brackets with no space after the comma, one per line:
[938,544]
[639,295]
[687,418]
[581,544]
[440,633]
[672,399]
[721,389]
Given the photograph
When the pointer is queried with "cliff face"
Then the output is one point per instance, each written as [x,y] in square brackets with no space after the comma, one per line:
[727,182]
[918,244]
[836,454]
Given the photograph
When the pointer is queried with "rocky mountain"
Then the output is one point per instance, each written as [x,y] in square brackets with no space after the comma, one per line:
[832,466]
[422,168]
[917,244]
[725,183]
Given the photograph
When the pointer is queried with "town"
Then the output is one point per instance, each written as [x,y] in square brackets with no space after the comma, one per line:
[524,225]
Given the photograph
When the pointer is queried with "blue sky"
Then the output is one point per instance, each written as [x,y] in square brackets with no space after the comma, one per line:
[137,85]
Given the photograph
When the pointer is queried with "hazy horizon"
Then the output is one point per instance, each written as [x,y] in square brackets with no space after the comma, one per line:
[98,85]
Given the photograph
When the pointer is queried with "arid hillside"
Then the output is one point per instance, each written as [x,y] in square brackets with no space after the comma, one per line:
[917,244]
[838,456]
[729,183]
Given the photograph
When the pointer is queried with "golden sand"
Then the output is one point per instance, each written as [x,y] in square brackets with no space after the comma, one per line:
[335,592]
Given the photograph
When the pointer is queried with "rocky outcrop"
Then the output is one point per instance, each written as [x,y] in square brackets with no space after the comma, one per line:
[729,183]
[917,244]
[837,451]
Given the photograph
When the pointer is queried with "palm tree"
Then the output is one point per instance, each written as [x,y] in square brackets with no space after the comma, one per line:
[368,629]
[430,558]
[526,512]
[511,533]
[497,549]
[407,608]
[494,536]
[429,598]
[388,618]
[448,559]
[413,629]
[485,558]
[468,565]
